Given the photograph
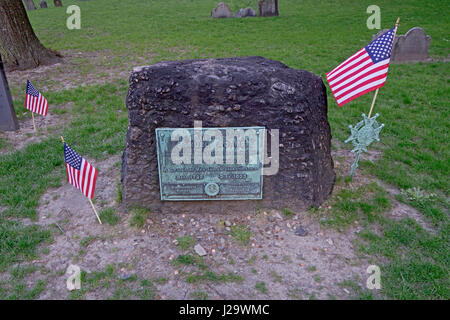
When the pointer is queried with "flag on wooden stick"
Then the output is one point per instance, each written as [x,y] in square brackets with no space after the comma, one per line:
[35,101]
[364,71]
[80,173]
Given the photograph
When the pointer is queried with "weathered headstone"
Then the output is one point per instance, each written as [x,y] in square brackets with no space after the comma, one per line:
[8,119]
[221,11]
[57,3]
[30,4]
[43,4]
[243,13]
[224,93]
[268,8]
[410,47]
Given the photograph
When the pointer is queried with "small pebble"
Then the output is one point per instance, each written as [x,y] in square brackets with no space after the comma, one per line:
[200,250]
[300,231]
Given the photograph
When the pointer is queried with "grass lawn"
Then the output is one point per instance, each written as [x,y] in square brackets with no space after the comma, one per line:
[311,35]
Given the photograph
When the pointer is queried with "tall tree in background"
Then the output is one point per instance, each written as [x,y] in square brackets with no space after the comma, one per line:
[19,46]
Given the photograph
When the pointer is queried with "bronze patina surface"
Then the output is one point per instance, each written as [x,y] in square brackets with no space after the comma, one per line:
[224,176]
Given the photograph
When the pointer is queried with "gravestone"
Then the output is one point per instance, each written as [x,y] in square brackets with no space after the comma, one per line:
[243,13]
[30,5]
[8,119]
[410,47]
[43,4]
[221,11]
[57,3]
[250,92]
[268,8]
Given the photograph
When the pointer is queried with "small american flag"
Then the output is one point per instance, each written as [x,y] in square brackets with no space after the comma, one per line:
[80,173]
[35,101]
[364,71]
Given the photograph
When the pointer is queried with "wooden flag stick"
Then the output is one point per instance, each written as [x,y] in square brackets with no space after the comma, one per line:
[95,211]
[373,102]
[376,92]
[34,123]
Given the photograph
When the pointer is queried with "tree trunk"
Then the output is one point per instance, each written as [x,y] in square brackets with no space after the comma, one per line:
[19,46]
[57,3]
[30,4]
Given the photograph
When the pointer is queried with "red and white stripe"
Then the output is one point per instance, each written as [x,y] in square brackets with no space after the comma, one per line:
[83,179]
[356,76]
[37,105]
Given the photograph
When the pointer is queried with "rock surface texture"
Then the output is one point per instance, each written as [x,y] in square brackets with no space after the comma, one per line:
[410,47]
[231,92]
[221,11]
[244,13]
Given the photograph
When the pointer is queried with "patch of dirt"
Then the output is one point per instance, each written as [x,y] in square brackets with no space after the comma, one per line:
[291,266]
[45,126]
[80,69]
[401,210]
[343,159]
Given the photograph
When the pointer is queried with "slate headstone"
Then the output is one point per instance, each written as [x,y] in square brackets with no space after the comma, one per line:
[8,119]
[30,5]
[410,47]
[43,4]
[221,11]
[268,8]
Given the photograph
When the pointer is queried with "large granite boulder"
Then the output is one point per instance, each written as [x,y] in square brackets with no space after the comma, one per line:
[221,11]
[410,47]
[231,92]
